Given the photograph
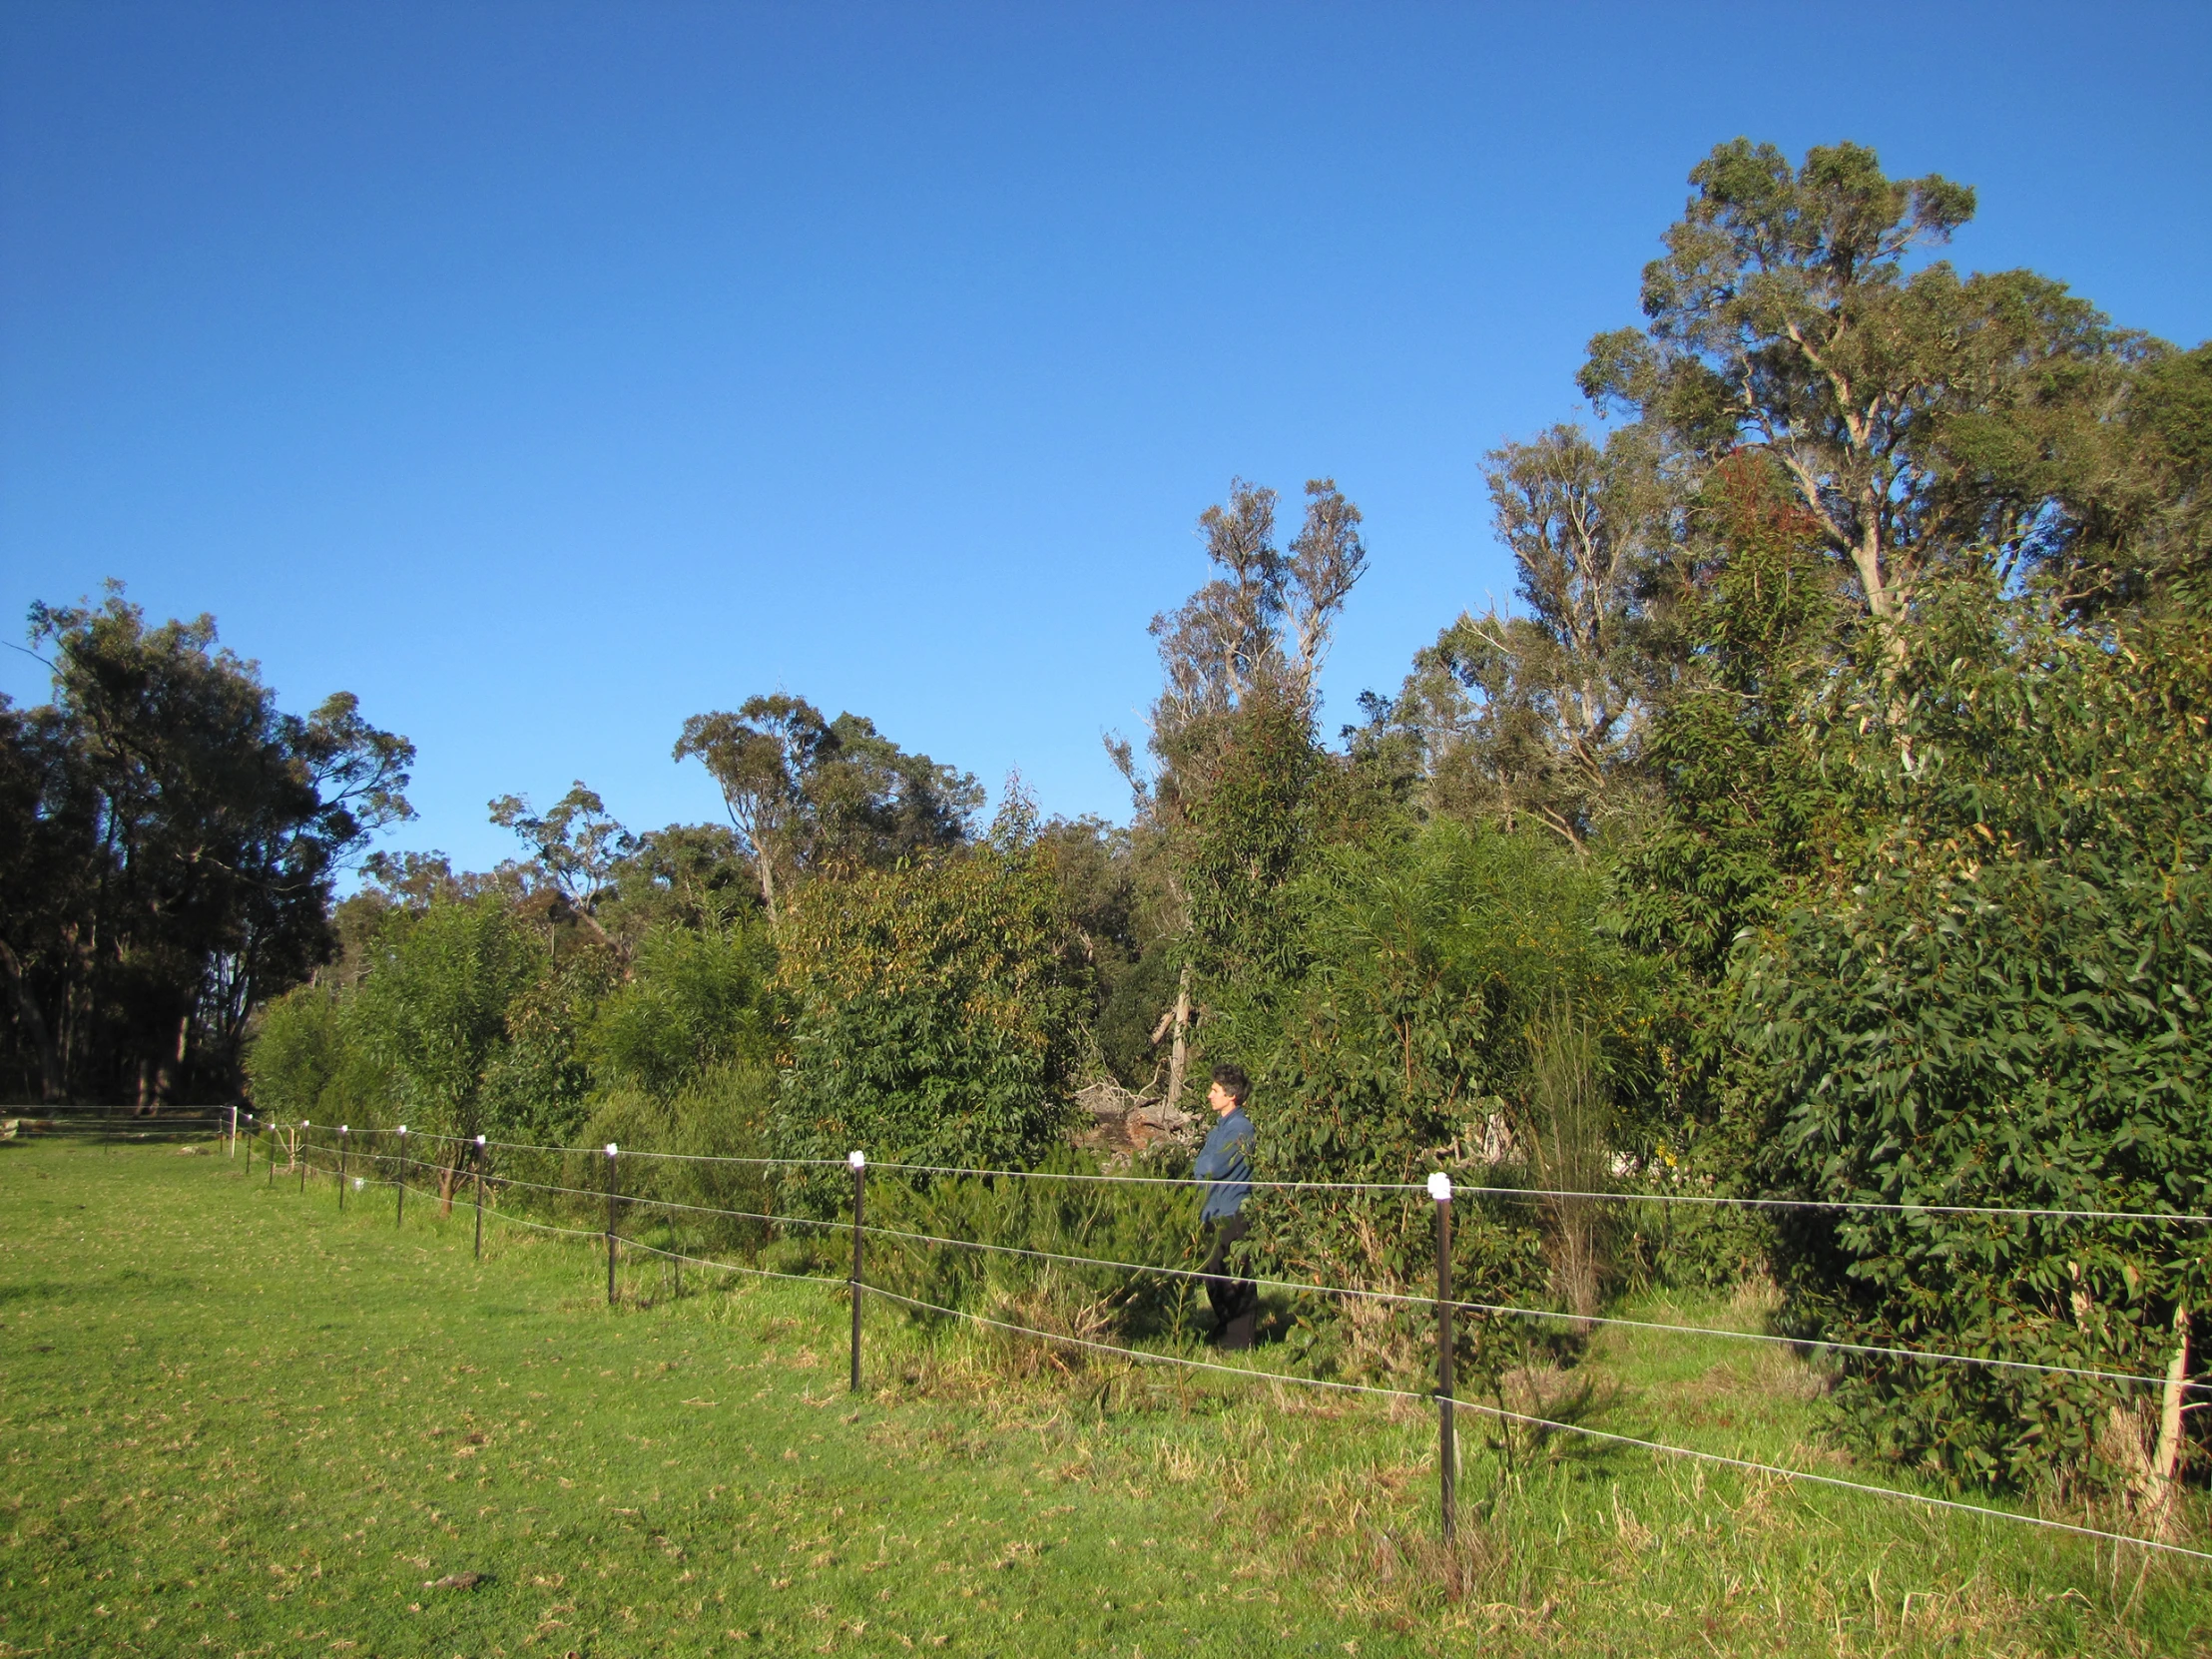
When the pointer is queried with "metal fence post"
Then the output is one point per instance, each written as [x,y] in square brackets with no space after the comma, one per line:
[610,1224]
[1439,1188]
[479,1198]
[341,1169]
[234,1129]
[272,1158]
[858,1161]
[300,1152]
[400,1213]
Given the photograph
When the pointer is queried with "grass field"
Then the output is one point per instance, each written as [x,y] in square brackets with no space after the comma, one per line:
[237,1422]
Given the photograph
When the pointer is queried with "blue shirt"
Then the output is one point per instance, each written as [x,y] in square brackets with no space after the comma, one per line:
[1225,1163]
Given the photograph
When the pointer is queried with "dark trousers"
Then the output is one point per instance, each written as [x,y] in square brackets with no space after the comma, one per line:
[1236,1302]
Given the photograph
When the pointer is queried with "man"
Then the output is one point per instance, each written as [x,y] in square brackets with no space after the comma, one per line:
[1224,1165]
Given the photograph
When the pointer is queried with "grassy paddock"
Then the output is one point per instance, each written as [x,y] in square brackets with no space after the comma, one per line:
[237,1422]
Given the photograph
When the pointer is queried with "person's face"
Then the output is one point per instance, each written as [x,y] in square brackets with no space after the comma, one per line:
[1221,1100]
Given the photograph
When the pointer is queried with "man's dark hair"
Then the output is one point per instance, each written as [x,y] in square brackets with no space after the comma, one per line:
[1232,1078]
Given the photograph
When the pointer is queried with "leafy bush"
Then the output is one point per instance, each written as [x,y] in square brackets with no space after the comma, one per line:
[1409,1050]
[2000,1001]
[434,1006]
[1139,1223]
[307,1060]
[694,1000]
[933,1022]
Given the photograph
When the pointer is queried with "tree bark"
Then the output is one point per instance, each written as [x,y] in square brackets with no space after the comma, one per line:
[1179,1055]
[34,1021]
[2166,1459]
[767,881]
[169,1077]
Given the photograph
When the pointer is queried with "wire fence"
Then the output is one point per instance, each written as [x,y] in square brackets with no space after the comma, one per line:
[483,1174]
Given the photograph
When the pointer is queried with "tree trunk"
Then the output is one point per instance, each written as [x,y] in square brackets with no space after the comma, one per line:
[2150,1459]
[2166,1459]
[169,1075]
[34,1021]
[1179,1055]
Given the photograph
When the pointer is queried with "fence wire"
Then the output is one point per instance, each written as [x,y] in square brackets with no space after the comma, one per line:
[1459,1188]
[1355,1293]
[307,1154]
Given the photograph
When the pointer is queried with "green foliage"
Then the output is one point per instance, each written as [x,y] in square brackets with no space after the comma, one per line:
[720,1111]
[1998,1000]
[306,1062]
[685,876]
[1141,995]
[805,793]
[1235,803]
[1243,836]
[934,1020]
[538,1080]
[575,845]
[172,839]
[1923,419]
[434,1005]
[694,1000]
[1539,716]
[1409,1049]
[1148,1224]
[1744,809]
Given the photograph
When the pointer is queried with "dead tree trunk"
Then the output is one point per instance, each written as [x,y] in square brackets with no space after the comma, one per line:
[1179,1056]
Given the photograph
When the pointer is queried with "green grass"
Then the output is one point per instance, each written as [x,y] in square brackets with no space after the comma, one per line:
[237,1422]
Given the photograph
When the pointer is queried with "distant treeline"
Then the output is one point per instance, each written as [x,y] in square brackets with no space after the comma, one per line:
[1829,820]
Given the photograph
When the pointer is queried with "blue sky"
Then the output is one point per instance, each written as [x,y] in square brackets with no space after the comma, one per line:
[545,373]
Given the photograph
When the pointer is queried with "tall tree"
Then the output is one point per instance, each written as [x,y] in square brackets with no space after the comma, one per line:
[1539,716]
[575,846]
[202,828]
[434,1005]
[48,872]
[758,756]
[1787,314]
[1260,628]
[1232,740]
[802,790]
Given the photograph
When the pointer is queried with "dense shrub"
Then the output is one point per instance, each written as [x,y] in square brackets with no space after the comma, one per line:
[694,1000]
[1155,1224]
[932,1021]
[1411,1048]
[2000,1001]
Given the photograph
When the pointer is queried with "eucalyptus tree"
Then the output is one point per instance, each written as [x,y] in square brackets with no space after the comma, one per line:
[1796,311]
[192,833]
[1237,768]
[1539,714]
[802,790]
[576,848]
[758,758]
[1260,630]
